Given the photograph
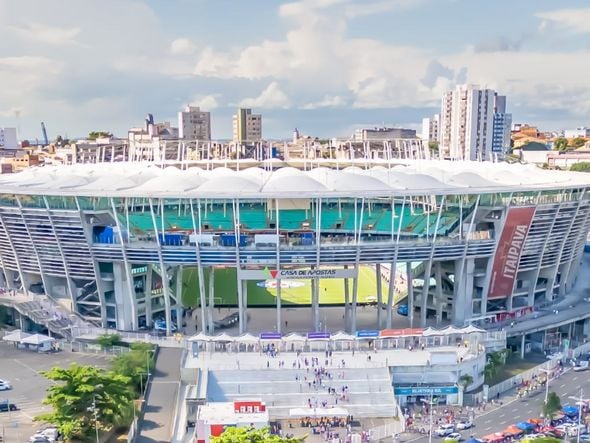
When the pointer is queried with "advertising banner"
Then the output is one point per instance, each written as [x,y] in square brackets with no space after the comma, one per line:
[510,245]
[318,335]
[367,334]
[426,390]
[291,274]
[270,336]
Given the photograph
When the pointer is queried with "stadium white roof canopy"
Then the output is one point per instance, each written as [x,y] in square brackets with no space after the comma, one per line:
[418,177]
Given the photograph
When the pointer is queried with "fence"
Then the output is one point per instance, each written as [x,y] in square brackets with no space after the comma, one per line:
[176,341]
[513,382]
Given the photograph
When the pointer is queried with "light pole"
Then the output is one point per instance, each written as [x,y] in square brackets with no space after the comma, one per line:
[95,412]
[547,372]
[431,404]
[580,402]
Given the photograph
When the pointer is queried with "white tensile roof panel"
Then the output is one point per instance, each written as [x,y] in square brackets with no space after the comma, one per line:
[144,179]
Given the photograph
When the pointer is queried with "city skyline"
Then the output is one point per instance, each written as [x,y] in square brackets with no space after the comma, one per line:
[325,67]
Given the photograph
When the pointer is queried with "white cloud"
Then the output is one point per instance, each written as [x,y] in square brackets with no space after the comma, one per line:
[361,9]
[206,102]
[182,46]
[575,20]
[52,35]
[328,101]
[270,97]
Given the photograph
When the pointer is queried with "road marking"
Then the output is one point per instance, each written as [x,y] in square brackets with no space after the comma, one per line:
[502,415]
[575,378]
[26,366]
[562,385]
[488,421]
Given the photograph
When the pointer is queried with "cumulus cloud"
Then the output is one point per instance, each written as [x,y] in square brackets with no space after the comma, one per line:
[498,44]
[206,102]
[574,20]
[328,101]
[52,35]
[271,97]
[182,46]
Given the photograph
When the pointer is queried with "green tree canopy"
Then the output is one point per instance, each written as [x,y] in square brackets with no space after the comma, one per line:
[581,167]
[98,134]
[135,364]
[108,340]
[249,435]
[433,146]
[78,391]
[542,440]
[552,406]
[560,144]
[578,142]
[465,380]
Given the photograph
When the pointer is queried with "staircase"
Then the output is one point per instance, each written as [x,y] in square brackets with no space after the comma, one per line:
[370,391]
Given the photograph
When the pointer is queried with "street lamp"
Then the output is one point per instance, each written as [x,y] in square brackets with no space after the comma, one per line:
[547,372]
[431,404]
[580,402]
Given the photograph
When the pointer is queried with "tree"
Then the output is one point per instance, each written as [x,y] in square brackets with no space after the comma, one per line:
[542,440]
[581,167]
[578,142]
[552,406]
[560,144]
[79,392]
[251,435]
[98,134]
[135,364]
[433,146]
[465,380]
[108,340]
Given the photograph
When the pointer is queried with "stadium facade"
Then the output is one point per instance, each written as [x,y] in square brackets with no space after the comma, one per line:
[112,241]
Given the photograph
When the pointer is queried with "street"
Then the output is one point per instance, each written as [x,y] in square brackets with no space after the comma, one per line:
[514,410]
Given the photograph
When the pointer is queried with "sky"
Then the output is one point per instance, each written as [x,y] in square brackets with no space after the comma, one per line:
[323,66]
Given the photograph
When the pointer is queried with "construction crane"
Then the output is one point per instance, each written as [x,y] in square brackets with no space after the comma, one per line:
[44,133]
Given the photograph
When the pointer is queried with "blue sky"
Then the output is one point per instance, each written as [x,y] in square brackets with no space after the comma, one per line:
[324,66]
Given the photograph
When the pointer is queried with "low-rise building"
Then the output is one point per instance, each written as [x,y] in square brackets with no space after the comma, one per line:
[372,134]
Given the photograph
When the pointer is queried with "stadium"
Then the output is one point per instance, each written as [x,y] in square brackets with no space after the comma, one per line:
[125,245]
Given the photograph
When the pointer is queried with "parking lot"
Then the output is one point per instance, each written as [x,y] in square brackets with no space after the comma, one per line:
[22,369]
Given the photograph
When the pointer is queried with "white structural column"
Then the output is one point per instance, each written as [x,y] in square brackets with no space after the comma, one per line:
[393,270]
[211,305]
[200,273]
[178,295]
[127,267]
[245,303]
[239,283]
[278,254]
[461,285]
[99,283]
[355,286]
[438,291]
[315,303]
[379,293]
[38,258]
[410,284]
[9,236]
[163,272]
[346,303]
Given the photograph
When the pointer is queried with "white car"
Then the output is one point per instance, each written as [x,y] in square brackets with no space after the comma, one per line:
[445,430]
[464,424]
[453,436]
[5,385]
[50,435]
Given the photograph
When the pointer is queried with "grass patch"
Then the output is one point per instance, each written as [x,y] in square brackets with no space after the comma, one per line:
[226,292]
[514,366]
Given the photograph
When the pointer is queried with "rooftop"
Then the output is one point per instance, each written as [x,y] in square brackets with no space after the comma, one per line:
[380,179]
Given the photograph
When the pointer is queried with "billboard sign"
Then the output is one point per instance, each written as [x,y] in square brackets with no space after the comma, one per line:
[367,334]
[426,390]
[510,246]
[292,274]
[318,335]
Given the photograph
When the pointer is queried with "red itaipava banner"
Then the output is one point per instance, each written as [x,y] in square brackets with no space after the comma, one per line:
[516,228]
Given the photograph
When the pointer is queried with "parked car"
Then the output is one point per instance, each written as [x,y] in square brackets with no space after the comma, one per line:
[581,366]
[227,322]
[464,424]
[6,406]
[402,310]
[51,434]
[160,325]
[38,438]
[5,385]
[453,436]
[445,430]
[585,437]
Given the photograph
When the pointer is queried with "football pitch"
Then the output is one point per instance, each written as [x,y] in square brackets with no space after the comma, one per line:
[261,293]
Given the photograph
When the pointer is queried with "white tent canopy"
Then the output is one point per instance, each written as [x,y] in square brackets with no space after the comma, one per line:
[16,336]
[37,339]
[294,338]
[450,330]
[200,337]
[247,338]
[472,329]
[223,337]
[430,332]
[318,412]
[341,336]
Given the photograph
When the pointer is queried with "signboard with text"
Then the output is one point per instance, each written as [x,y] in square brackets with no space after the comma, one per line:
[509,250]
[426,390]
[291,274]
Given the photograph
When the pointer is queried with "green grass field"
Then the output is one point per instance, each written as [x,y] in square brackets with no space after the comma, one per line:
[331,290]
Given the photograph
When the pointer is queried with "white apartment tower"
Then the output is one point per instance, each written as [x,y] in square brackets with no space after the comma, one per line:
[8,138]
[194,124]
[466,123]
[247,127]
[430,128]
